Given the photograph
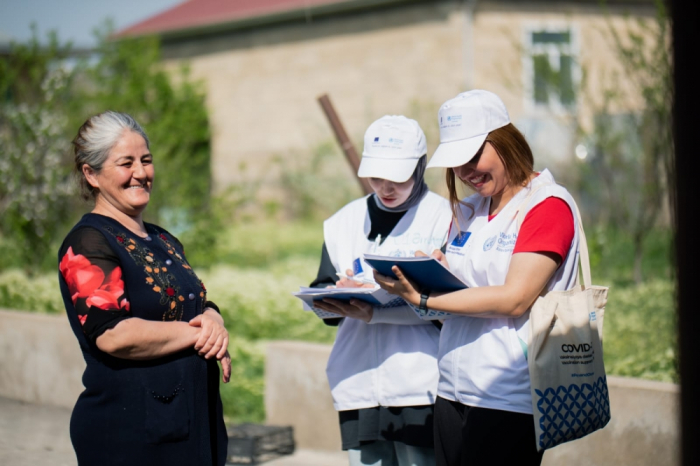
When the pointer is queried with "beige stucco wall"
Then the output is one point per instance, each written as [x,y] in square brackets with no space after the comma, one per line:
[262,84]
[643,430]
[40,359]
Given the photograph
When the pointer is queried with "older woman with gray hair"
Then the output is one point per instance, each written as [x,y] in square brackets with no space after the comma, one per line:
[150,338]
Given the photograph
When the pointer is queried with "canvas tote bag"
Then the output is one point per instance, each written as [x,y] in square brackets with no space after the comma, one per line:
[565,358]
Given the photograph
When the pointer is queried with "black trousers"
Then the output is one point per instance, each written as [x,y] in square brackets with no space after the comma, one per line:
[469,436]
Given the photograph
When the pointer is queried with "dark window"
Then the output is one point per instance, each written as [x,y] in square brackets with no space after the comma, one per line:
[553,66]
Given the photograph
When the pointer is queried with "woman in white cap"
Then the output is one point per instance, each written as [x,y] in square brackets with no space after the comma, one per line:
[383,368]
[483,415]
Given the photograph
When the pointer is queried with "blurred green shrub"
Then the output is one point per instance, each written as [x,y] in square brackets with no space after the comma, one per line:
[35,187]
[257,305]
[129,77]
[264,243]
[38,293]
[612,256]
[640,332]
[314,187]
[243,396]
[45,95]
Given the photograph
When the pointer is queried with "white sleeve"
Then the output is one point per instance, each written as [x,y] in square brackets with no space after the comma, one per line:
[398,315]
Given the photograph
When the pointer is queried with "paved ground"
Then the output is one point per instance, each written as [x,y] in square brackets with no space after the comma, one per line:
[33,435]
[312,458]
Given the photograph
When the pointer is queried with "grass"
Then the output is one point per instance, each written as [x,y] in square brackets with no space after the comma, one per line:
[265,244]
[640,332]
[640,319]
[260,264]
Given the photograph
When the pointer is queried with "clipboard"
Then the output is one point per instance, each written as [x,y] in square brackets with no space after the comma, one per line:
[426,271]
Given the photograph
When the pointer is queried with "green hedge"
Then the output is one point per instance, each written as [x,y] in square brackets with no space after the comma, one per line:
[263,263]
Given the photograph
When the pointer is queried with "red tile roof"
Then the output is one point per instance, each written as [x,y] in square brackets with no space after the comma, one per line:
[202,13]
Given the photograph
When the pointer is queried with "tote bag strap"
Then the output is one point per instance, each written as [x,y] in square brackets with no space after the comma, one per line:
[584,259]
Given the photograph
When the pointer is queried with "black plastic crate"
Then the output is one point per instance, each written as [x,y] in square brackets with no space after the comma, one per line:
[256,443]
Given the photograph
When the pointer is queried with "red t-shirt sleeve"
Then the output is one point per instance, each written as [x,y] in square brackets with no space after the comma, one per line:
[547,227]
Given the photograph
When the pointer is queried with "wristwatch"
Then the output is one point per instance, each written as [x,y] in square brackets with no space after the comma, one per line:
[423,308]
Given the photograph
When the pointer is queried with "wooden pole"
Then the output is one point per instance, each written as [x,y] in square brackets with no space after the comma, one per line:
[343,140]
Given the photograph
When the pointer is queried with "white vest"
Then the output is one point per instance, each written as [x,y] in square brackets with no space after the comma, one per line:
[482,360]
[384,364]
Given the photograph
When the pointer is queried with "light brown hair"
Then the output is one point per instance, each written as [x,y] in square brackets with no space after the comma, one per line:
[514,152]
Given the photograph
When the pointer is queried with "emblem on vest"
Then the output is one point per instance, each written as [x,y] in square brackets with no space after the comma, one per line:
[357,267]
[488,244]
[506,242]
[461,239]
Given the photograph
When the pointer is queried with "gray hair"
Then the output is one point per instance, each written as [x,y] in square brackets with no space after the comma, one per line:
[95,139]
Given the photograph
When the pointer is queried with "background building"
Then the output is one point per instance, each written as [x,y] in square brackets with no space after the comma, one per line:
[264,63]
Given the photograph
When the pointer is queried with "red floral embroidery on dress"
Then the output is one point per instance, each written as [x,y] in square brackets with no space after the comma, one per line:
[85,280]
[81,276]
[107,296]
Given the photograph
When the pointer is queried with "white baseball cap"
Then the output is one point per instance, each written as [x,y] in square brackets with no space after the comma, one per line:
[393,146]
[465,121]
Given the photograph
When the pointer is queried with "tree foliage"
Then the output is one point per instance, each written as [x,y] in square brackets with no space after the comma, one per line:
[35,187]
[129,78]
[46,94]
[630,174]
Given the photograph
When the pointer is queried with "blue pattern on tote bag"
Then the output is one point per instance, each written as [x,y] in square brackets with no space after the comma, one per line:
[570,413]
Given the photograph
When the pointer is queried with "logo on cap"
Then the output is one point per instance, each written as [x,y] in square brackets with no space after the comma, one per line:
[376,139]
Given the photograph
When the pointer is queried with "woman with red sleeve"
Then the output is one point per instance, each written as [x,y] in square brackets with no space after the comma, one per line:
[483,413]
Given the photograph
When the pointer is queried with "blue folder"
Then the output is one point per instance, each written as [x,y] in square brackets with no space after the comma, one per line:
[427,272]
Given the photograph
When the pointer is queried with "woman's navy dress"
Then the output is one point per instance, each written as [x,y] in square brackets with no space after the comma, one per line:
[164,411]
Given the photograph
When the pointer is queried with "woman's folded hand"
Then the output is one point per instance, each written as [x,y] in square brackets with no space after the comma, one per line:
[213,338]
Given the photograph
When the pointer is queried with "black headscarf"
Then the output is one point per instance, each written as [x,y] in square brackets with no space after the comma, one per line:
[417,193]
